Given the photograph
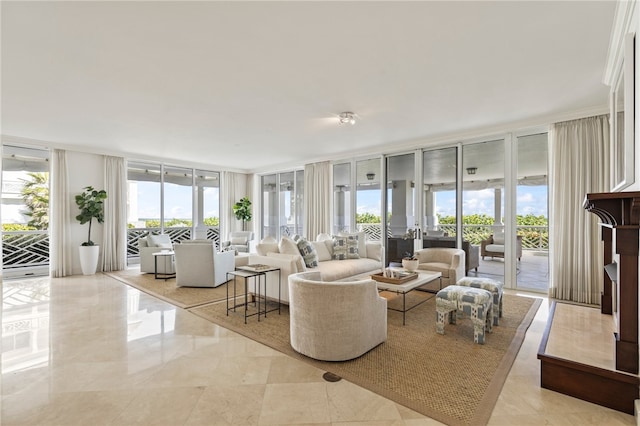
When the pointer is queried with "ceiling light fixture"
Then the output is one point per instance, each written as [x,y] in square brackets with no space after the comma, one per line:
[471,170]
[347,118]
[371,175]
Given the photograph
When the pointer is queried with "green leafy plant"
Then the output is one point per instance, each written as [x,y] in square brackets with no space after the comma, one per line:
[90,203]
[35,195]
[242,211]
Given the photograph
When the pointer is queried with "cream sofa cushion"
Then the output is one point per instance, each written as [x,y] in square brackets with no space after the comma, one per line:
[322,250]
[288,246]
[156,240]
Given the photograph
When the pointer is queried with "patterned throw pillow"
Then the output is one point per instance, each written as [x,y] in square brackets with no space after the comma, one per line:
[308,252]
[345,247]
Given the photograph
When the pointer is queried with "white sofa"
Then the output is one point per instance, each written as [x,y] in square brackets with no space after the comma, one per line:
[200,265]
[330,270]
[335,321]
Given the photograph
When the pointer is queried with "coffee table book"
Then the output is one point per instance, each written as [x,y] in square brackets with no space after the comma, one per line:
[400,280]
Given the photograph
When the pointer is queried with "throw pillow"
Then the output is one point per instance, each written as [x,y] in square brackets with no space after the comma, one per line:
[288,246]
[345,247]
[155,240]
[308,253]
[498,238]
[323,237]
[323,251]
[362,240]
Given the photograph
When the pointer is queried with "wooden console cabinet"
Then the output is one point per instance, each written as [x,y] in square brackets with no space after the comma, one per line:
[619,213]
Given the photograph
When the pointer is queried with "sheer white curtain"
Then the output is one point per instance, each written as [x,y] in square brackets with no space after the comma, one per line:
[234,187]
[60,250]
[317,197]
[114,230]
[579,165]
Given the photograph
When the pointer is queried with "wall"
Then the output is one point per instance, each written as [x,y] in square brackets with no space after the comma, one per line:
[84,170]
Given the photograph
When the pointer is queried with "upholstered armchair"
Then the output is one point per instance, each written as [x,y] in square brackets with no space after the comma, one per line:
[494,246]
[335,321]
[450,262]
[238,241]
[149,245]
[200,265]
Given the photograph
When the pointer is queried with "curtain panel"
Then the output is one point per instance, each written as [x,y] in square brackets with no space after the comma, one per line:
[114,237]
[317,199]
[234,187]
[579,165]
[60,250]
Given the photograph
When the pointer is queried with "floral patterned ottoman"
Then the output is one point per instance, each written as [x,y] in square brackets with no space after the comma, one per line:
[457,300]
[495,287]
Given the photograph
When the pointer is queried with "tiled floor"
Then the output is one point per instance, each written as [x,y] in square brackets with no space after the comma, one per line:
[90,350]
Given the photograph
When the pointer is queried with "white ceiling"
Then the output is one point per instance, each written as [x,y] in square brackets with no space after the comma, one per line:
[258,85]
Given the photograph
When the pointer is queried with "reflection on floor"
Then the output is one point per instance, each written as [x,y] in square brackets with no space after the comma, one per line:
[90,350]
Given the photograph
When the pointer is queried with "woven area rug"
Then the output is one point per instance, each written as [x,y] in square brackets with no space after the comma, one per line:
[184,297]
[445,377]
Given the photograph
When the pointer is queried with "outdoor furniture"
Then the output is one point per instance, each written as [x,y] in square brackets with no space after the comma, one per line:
[200,265]
[448,261]
[456,301]
[335,321]
[494,246]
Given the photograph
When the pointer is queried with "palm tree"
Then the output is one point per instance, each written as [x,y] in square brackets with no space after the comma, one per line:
[35,194]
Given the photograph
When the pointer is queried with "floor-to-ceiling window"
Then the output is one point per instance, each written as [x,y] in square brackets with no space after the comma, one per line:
[178,202]
[282,204]
[369,198]
[483,204]
[532,212]
[439,189]
[25,211]
[341,197]
[161,200]
[400,208]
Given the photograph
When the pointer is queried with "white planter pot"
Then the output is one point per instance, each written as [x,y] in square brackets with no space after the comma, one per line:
[89,259]
[410,265]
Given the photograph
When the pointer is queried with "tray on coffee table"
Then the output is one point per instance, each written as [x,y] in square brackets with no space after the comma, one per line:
[400,280]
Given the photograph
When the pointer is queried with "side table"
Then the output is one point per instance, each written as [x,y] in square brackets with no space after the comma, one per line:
[260,299]
[167,269]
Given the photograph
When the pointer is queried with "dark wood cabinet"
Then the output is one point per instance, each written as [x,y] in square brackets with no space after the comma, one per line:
[617,388]
[619,213]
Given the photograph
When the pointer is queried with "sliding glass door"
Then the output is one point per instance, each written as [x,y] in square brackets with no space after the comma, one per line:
[483,195]
[400,208]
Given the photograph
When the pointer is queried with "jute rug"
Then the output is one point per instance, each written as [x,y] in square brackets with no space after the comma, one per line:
[445,377]
[184,297]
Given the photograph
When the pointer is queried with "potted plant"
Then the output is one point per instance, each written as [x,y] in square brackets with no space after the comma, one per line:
[242,211]
[410,262]
[90,203]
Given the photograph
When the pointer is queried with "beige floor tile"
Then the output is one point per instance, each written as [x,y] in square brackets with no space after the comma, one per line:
[228,405]
[295,403]
[160,407]
[285,371]
[349,403]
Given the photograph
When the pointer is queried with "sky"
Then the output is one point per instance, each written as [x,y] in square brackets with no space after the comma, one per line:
[530,199]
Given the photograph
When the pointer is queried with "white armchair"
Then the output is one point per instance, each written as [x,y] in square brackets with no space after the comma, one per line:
[149,245]
[239,241]
[335,321]
[448,261]
[200,265]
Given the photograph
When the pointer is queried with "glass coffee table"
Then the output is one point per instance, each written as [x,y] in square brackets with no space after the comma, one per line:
[424,277]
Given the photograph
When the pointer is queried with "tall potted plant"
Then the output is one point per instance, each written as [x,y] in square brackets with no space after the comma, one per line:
[90,202]
[242,211]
